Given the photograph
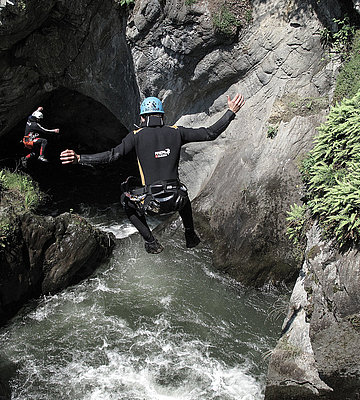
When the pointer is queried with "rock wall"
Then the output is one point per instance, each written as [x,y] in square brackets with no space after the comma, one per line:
[318,353]
[253,179]
[80,46]
[245,180]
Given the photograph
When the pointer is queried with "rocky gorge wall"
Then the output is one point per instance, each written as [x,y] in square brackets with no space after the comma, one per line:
[114,56]
[318,353]
[244,182]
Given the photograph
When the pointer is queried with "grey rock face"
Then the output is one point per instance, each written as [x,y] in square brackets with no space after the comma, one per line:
[318,354]
[253,179]
[356,5]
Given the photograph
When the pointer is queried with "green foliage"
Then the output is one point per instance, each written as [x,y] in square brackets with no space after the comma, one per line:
[338,42]
[124,2]
[190,2]
[272,131]
[6,230]
[331,173]
[225,22]
[248,16]
[21,4]
[296,223]
[18,195]
[24,193]
[348,80]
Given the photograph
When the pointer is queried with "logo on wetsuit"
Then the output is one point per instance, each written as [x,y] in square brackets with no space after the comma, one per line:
[162,153]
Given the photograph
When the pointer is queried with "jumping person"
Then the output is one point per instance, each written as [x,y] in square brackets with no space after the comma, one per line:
[158,148]
[32,139]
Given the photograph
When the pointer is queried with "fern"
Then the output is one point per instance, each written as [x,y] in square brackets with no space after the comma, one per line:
[331,173]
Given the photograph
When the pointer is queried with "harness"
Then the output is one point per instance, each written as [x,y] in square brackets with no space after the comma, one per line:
[28,140]
[161,197]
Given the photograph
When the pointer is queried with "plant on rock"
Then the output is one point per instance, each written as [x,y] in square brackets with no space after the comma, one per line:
[331,173]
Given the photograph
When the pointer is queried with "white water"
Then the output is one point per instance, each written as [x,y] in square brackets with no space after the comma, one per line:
[145,327]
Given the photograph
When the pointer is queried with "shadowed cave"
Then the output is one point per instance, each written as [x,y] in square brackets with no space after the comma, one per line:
[86,126]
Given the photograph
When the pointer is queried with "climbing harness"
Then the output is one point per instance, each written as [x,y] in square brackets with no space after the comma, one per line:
[161,197]
[28,140]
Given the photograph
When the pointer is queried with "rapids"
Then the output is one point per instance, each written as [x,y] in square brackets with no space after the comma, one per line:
[144,327]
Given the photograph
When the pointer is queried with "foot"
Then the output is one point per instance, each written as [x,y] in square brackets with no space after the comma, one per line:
[153,247]
[43,159]
[192,239]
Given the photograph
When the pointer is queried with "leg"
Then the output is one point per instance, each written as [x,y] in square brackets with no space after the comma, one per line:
[30,156]
[191,237]
[42,142]
[139,221]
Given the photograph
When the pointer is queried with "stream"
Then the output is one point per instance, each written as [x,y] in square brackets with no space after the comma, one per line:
[145,327]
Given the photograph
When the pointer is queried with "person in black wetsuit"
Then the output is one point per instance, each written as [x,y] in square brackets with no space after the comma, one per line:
[31,139]
[158,148]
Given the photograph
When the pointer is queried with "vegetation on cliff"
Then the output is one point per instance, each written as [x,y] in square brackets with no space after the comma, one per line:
[330,171]
[348,81]
[19,194]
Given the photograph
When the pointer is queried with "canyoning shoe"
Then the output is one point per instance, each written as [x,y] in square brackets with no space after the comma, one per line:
[43,159]
[153,247]
[192,239]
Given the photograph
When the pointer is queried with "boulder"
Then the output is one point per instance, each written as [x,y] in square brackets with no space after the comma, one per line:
[45,255]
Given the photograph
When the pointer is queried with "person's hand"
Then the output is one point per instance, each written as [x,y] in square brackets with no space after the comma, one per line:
[69,157]
[236,103]
[56,130]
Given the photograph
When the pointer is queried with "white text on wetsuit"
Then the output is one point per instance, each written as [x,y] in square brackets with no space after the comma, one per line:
[162,153]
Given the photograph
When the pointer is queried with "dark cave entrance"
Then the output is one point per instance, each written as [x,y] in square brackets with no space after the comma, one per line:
[86,126]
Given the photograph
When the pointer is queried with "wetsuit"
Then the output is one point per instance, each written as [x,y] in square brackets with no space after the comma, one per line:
[158,149]
[32,131]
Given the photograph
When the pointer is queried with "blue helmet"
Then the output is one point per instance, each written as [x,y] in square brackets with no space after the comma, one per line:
[151,105]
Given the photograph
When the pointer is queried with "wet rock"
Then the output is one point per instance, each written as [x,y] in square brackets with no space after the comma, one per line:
[318,352]
[76,252]
[45,255]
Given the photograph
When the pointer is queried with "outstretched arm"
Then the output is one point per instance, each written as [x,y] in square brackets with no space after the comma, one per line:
[105,157]
[213,131]
[69,157]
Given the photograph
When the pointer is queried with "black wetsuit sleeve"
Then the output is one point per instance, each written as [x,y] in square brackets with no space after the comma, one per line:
[210,133]
[106,157]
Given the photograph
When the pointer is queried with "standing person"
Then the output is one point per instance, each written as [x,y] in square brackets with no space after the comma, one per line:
[158,148]
[31,138]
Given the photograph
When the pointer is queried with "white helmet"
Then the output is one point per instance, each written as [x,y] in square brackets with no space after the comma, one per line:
[37,114]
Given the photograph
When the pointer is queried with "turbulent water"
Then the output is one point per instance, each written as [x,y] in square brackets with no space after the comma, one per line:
[144,327]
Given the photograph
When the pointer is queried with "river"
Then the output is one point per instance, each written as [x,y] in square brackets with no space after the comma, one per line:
[145,327]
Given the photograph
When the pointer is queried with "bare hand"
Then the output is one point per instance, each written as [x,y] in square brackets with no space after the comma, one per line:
[56,130]
[236,103]
[69,157]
